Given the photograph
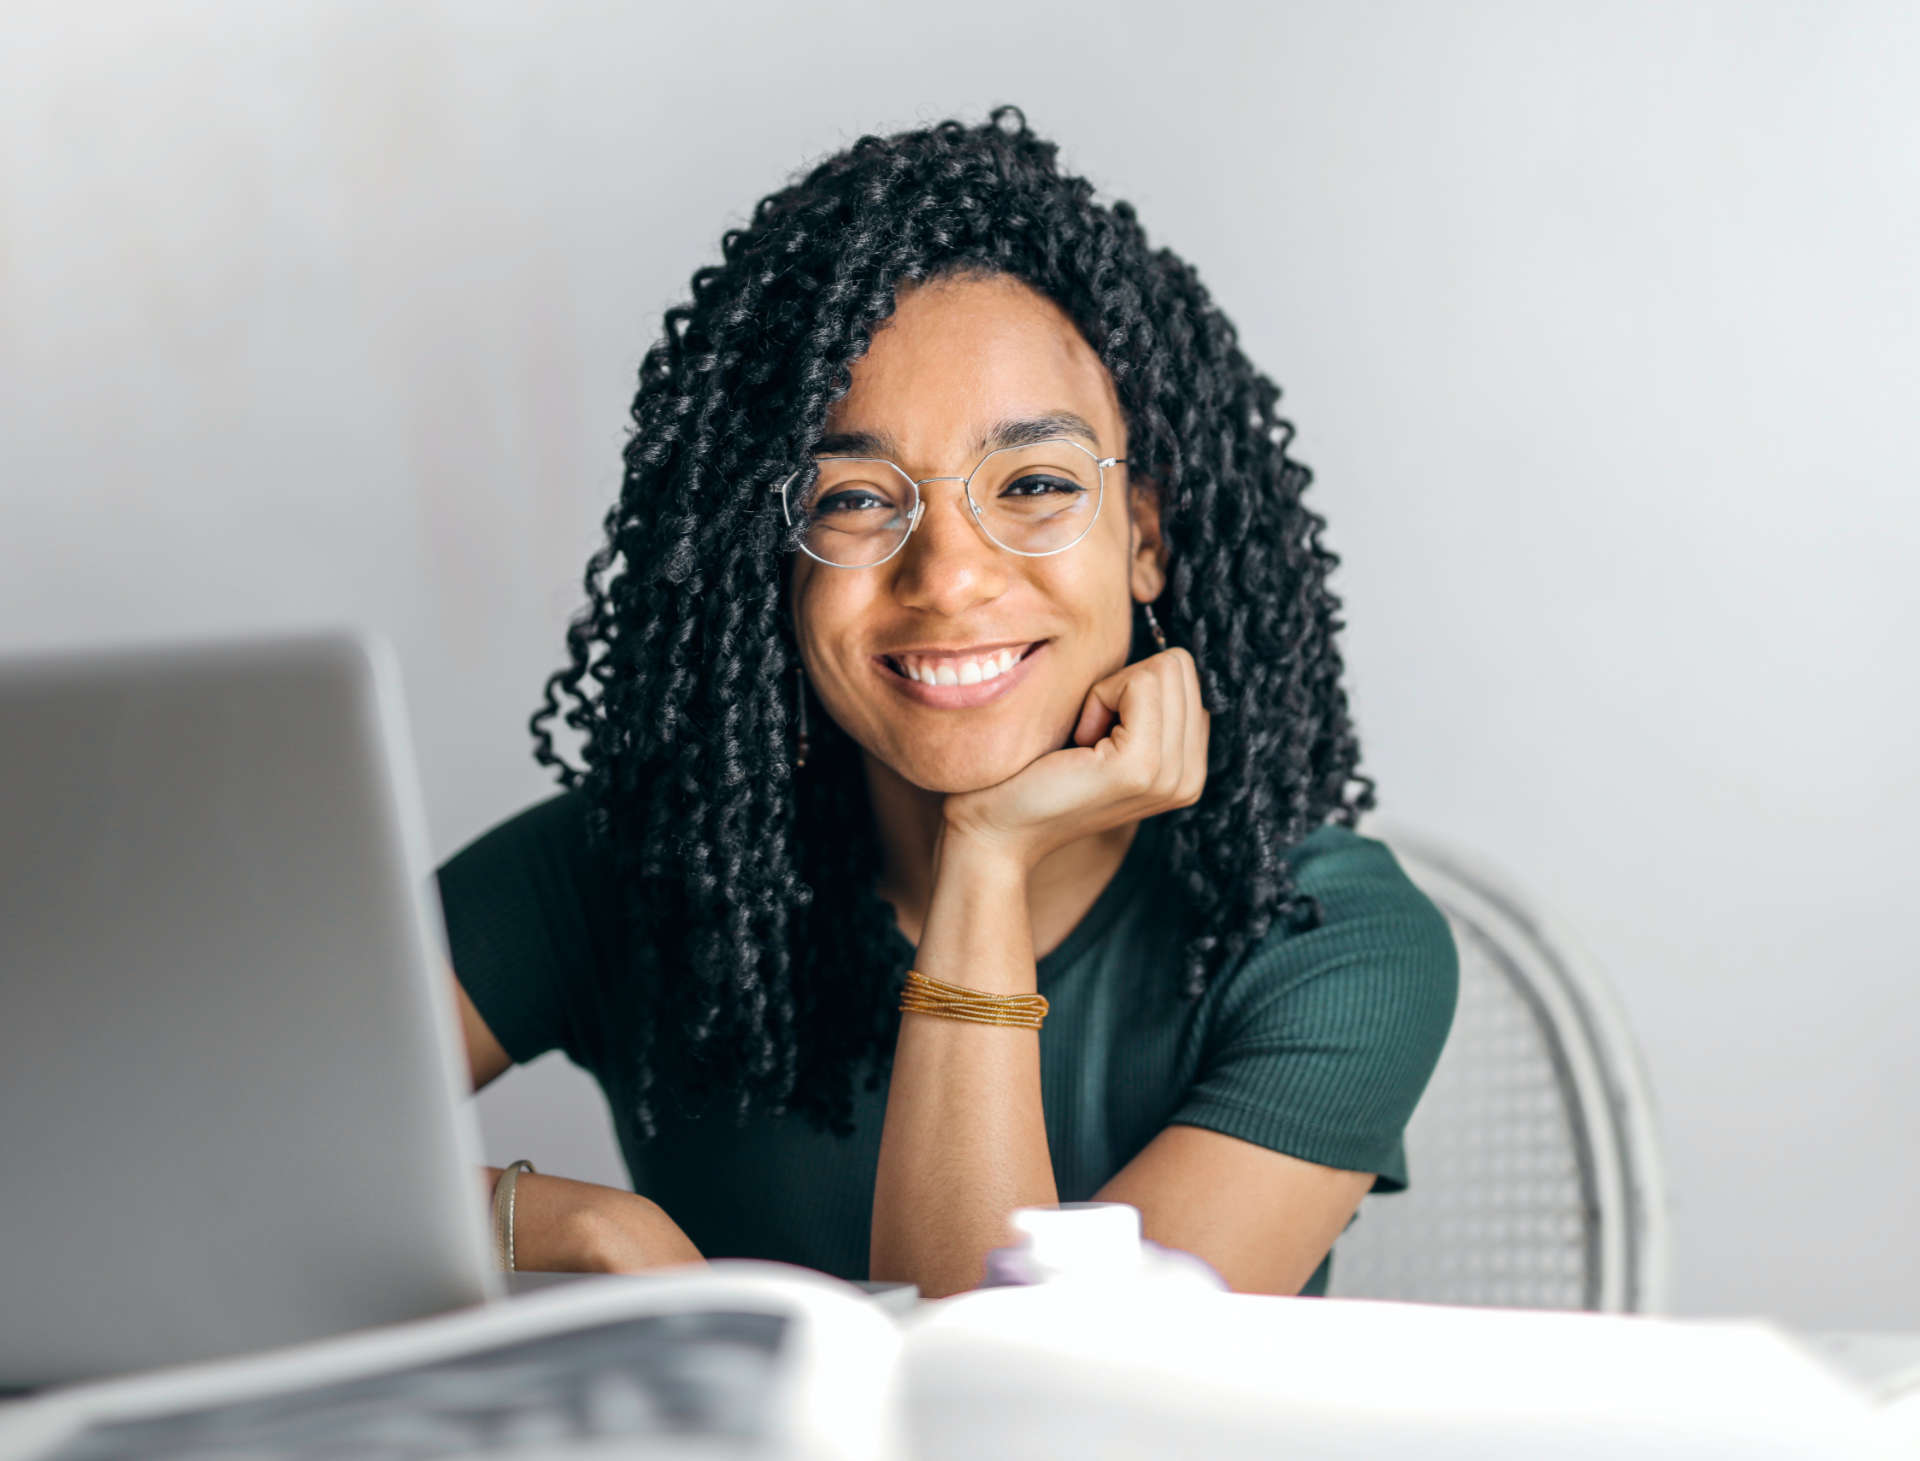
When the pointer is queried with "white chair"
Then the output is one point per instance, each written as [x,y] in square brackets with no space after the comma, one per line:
[1534,1169]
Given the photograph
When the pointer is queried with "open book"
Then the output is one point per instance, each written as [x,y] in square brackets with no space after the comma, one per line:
[728,1359]
[1017,1374]
[756,1359]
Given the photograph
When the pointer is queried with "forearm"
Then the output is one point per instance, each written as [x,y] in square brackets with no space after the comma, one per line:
[965,1139]
[564,1226]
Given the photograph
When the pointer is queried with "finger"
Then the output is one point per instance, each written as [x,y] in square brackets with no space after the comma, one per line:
[1136,702]
[1096,719]
[1101,708]
[1199,736]
[1173,724]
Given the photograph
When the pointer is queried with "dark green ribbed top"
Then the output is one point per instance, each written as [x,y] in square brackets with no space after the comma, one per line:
[1317,1044]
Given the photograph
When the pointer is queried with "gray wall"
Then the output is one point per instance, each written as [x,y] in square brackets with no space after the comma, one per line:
[1598,323]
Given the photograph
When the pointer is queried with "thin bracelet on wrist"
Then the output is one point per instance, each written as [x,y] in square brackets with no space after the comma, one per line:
[503,1212]
[926,995]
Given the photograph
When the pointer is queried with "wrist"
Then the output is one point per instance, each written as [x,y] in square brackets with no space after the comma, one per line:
[624,1233]
[981,855]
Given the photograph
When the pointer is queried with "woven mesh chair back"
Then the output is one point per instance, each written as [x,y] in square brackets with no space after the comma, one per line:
[1534,1176]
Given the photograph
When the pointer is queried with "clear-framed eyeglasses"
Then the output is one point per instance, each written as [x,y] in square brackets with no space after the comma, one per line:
[1033,500]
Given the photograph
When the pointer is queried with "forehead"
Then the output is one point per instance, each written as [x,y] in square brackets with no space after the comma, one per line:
[959,356]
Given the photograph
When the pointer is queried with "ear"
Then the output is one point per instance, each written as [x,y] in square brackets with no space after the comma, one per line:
[1147,545]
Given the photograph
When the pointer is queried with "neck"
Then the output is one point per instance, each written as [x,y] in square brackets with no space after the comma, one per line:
[1061,888]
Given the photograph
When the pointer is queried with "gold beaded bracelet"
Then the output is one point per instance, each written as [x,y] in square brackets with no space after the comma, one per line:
[925,995]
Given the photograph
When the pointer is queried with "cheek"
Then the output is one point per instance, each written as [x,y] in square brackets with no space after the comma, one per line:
[799,587]
[810,607]
[1102,610]
[824,613]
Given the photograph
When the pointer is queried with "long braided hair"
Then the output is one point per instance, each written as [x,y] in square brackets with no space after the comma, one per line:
[760,955]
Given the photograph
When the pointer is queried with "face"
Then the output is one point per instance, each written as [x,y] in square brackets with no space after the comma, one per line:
[958,360]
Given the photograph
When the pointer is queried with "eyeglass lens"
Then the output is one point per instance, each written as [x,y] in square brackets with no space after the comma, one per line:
[1031,499]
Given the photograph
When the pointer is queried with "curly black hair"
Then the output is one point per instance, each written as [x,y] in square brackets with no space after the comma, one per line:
[761,955]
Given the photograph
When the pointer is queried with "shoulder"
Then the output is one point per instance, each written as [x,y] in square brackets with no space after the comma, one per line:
[548,849]
[1363,891]
[1381,944]
[539,869]
[556,827]
[1321,1040]
[532,916]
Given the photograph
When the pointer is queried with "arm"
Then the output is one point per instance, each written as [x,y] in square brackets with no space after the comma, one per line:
[563,1226]
[1263,1219]
[964,1140]
[1325,1042]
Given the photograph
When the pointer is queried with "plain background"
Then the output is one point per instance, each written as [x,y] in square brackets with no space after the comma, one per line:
[1597,321]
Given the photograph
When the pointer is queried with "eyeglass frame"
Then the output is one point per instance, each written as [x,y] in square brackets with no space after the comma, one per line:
[966,492]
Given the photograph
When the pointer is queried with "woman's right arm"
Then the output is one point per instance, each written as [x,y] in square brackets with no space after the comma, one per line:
[563,1226]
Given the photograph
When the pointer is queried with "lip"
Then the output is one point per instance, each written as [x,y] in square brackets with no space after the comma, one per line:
[962,649]
[962,697]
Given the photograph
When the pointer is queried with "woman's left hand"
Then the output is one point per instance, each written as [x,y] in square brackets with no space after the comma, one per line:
[1139,748]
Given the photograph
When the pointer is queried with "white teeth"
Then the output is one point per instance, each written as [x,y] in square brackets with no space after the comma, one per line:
[958,672]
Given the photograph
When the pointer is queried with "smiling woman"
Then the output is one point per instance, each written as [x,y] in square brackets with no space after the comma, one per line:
[953,519]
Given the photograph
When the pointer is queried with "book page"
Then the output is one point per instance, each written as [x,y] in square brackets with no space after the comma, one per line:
[732,1357]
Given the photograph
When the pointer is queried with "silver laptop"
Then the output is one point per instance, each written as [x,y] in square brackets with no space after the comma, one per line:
[232,1088]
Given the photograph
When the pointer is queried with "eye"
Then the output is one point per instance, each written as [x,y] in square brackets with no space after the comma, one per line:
[1038,484]
[856,499]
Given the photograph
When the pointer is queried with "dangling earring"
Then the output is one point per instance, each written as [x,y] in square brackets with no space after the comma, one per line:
[800,743]
[1153,627]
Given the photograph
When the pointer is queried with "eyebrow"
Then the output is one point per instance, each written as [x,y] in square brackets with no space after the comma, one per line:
[1014,431]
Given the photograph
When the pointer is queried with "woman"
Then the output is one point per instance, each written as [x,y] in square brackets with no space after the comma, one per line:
[959,615]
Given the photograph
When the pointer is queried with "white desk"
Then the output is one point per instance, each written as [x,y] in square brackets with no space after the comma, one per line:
[1246,1377]
[1325,1381]
[1887,1364]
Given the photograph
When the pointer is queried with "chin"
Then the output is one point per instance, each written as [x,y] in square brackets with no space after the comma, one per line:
[970,768]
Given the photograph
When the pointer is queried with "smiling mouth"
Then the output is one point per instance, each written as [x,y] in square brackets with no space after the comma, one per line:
[958,669]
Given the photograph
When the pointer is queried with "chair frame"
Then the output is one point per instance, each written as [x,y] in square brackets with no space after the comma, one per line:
[1610,1100]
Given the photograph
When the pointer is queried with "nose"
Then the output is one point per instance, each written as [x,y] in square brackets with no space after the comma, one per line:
[948,564]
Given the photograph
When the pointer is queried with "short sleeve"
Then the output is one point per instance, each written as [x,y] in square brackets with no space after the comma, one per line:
[1321,1042]
[530,911]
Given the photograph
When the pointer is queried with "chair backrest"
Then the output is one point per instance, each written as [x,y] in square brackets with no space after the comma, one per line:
[1534,1169]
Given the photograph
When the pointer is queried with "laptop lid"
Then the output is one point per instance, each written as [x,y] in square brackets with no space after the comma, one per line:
[232,1090]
